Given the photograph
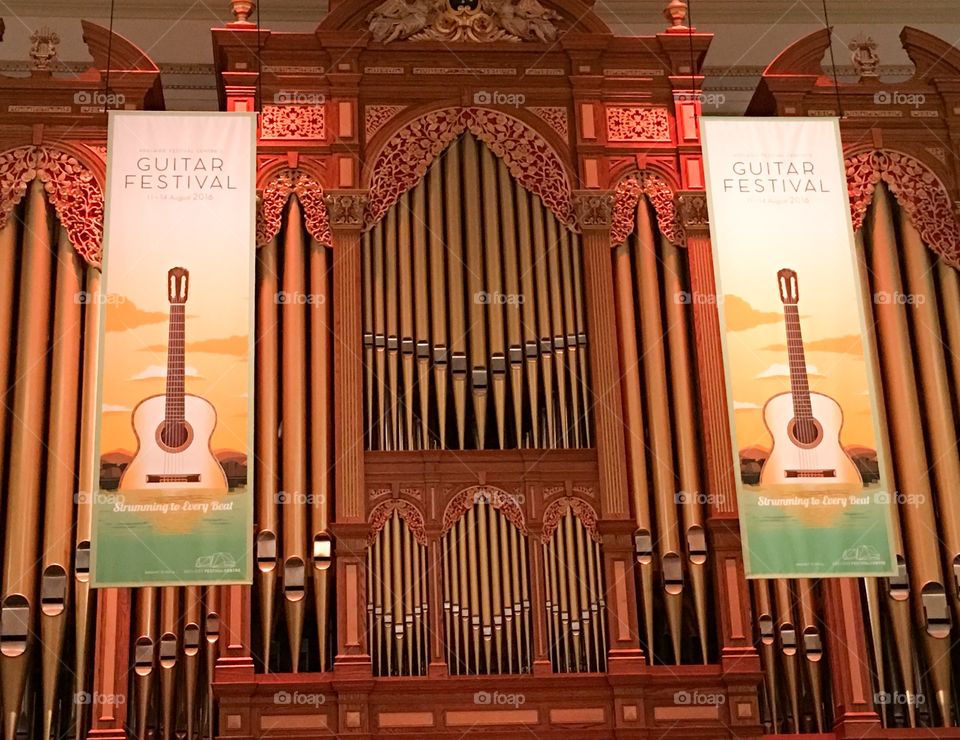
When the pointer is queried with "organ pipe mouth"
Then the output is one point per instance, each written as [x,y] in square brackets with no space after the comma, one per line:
[788,639]
[812,645]
[191,639]
[53,590]
[294,584]
[697,545]
[14,625]
[900,583]
[766,629]
[168,650]
[643,546]
[936,610]
[266,550]
[143,651]
[212,627]
[672,574]
[322,551]
[81,563]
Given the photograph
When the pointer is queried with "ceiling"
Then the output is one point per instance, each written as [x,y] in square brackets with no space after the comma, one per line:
[748,33]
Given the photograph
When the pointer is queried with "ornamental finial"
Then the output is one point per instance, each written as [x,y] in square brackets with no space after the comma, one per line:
[676,13]
[242,10]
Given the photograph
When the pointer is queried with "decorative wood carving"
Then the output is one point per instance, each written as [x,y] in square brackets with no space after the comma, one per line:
[347,209]
[43,49]
[408,512]
[692,212]
[437,20]
[556,118]
[917,189]
[637,123]
[557,510]
[502,501]
[71,189]
[407,156]
[274,198]
[594,210]
[660,195]
[376,116]
[293,122]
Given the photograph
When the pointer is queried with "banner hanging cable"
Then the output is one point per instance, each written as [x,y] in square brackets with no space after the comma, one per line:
[106,77]
[833,61]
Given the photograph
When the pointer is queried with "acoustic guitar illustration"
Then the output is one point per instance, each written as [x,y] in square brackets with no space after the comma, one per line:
[805,426]
[174,429]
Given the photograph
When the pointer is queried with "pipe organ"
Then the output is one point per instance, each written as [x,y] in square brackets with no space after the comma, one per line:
[494,479]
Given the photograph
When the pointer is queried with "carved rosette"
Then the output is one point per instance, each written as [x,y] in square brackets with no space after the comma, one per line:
[293,122]
[274,198]
[594,209]
[638,123]
[347,209]
[917,189]
[407,156]
[71,189]
[376,116]
[408,512]
[502,501]
[558,509]
[660,195]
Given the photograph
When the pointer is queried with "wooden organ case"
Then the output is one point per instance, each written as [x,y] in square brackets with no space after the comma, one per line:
[493,487]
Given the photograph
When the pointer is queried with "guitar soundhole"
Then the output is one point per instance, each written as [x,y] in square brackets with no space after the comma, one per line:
[174,436]
[805,432]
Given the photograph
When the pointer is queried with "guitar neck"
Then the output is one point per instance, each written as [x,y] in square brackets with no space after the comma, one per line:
[799,385]
[175,369]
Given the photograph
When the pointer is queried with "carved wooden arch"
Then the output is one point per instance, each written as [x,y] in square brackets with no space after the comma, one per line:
[409,513]
[920,193]
[576,14]
[659,192]
[558,509]
[407,155]
[502,501]
[72,189]
[274,195]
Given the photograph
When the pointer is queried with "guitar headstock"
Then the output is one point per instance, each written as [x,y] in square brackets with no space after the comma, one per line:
[178,284]
[789,288]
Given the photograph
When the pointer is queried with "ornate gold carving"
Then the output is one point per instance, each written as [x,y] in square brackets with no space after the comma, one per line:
[375,116]
[71,189]
[863,54]
[293,122]
[920,193]
[556,118]
[437,20]
[637,123]
[594,209]
[504,502]
[347,208]
[408,512]
[558,509]
[408,154]
[43,49]
[660,195]
[275,196]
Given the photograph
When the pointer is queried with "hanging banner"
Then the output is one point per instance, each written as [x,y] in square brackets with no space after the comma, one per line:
[175,433]
[803,407]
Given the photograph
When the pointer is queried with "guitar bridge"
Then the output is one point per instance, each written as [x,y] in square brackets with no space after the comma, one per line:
[822,473]
[174,478]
